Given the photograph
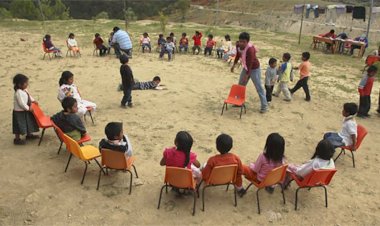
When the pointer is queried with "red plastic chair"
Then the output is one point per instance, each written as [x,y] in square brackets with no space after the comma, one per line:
[317,178]
[236,97]
[362,132]
[43,121]
[61,137]
[46,51]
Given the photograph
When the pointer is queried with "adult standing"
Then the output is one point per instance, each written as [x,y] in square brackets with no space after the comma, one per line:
[121,42]
[251,67]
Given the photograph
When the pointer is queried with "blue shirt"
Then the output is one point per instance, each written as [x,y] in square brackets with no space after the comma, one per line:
[122,38]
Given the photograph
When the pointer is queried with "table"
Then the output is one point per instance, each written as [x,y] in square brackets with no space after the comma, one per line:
[356,43]
[318,39]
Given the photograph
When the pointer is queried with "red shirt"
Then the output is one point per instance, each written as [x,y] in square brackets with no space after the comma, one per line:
[210,43]
[184,41]
[176,158]
[197,39]
[98,42]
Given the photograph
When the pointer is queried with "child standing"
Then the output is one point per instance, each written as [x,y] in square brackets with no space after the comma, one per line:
[68,89]
[68,120]
[181,155]
[285,72]
[223,145]
[197,42]
[145,42]
[23,121]
[184,43]
[209,45]
[365,89]
[272,157]
[168,47]
[72,44]
[50,46]
[126,81]
[270,78]
[148,85]
[347,136]
[98,42]
[116,139]
[304,68]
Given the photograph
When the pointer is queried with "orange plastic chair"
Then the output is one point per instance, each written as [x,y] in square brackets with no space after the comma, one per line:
[236,97]
[61,138]
[317,178]
[117,160]
[362,133]
[180,178]
[46,51]
[43,121]
[220,175]
[276,176]
[85,153]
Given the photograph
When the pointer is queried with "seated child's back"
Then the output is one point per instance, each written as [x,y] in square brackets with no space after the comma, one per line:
[116,140]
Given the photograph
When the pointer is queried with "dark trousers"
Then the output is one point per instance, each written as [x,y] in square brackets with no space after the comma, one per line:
[302,83]
[198,48]
[127,98]
[118,50]
[364,105]
[208,50]
[269,91]
[103,50]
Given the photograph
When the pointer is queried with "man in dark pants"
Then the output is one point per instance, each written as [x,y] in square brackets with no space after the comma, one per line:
[127,81]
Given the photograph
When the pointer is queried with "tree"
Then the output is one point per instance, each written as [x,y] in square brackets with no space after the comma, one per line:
[56,11]
[24,9]
[101,15]
[5,14]
[163,21]
[183,6]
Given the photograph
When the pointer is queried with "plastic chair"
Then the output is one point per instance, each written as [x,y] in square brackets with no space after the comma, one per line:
[61,138]
[117,160]
[237,98]
[180,178]
[43,121]
[46,51]
[89,110]
[317,178]
[69,50]
[96,51]
[362,132]
[85,153]
[220,175]
[276,176]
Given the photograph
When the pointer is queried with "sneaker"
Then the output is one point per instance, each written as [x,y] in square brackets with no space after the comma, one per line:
[264,110]
[130,105]
[308,100]
[241,192]
[123,106]
[19,142]
[270,190]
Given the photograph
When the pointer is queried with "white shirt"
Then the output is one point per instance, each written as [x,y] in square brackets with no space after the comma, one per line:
[314,164]
[20,100]
[72,42]
[69,91]
[349,128]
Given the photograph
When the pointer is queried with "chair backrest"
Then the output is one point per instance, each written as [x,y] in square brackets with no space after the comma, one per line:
[371,60]
[223,175]
[59,132]
[362,132]
[38,113]
[179,177]
[114,159]
[275,176]
[237,92]
[72,146]
[318,177]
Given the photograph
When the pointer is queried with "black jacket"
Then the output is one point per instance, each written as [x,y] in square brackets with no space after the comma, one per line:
[126,77]
[68,122]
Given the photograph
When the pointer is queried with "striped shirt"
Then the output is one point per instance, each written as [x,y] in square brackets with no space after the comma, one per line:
[145,85]
[122,38]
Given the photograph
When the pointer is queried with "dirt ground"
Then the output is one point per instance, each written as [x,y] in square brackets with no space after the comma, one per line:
[34,189]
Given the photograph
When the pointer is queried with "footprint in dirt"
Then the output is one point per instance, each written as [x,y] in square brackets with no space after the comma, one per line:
[169,206]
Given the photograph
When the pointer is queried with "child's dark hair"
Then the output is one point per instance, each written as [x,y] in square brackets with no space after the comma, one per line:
[124,59]
[224,143]
[168,38]
[19,80]
[171,34]
[244,36]
[145,34]
[332,31]
[197,32]
[47,37]
[372,69]
[287,56]
[160,35]
[274,147]
[71,35]
[66,75]
[68,103]
[97,35]
[272,61]
[350,108]
[324,150]
[184,34]
[306,55]
[113,129]
[210,36]
[115,29]
[227,37]
[157,78]
[184,142]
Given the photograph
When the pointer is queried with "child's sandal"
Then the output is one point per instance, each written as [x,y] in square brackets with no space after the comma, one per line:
[19,142]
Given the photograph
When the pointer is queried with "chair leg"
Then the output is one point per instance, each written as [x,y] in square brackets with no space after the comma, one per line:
[353,159]
[68,162]
[325,195]
[42,135]
[199,185]
[60,147]
[101,168]
[159,200]
[245,109]
[248,186]
[84,173]
[43,58]
[296,202]
[130,182]
[282,191]
[223,108]
[134,168]
[228,185]
[203,197]
[100,174]
[235,191]
[258,200]
[92,119]
[241,110]
[341,151]
[195,200]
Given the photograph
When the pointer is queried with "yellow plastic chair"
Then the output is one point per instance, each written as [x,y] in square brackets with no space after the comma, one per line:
[85,153]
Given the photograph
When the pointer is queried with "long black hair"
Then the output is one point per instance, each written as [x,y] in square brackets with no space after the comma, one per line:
[274,147]
[66,75]
[184,142]
[324,150]
[19,80]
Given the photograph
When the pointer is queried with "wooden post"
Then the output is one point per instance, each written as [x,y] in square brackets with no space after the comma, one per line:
[369,20]
[299,36]
[125,14]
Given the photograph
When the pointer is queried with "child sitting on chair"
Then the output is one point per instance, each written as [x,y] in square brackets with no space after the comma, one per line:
[145,42]
[50,46]
[223,145]
[72,44]
[154,84]
[98,42]
[209,45]
[161,42]
[68,89]
[183,43]
[197,42]
[68,120]
[168,48]
[116,139]
[347,136]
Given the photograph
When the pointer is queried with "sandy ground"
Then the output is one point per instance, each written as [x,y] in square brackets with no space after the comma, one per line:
[35,190]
